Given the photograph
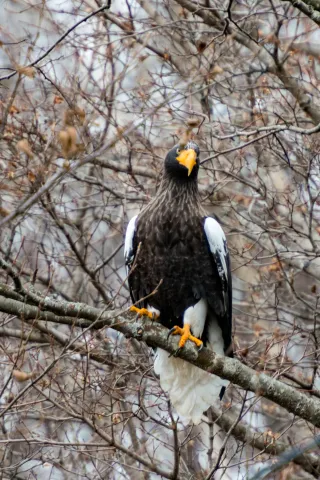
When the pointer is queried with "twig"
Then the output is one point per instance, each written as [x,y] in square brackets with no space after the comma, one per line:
[85,19]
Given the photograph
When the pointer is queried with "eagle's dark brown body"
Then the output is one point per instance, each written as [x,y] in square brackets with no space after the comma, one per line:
[174,258]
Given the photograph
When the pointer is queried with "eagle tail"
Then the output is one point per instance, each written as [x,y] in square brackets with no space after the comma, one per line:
[191,390]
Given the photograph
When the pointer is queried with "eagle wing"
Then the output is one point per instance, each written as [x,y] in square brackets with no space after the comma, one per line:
[130,250]
[217,243]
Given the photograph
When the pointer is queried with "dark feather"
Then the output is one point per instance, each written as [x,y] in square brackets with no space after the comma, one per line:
[174,256]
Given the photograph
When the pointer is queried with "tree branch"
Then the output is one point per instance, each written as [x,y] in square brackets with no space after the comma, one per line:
[288,456]
[310,463]
[308,7]
[292,84]
[85,19]
[155,335]
[74,166]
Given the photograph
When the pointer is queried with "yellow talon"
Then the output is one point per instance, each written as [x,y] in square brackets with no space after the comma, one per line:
[185,335]
[143,312]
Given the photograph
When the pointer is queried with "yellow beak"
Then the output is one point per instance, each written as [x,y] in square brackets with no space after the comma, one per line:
[188,159]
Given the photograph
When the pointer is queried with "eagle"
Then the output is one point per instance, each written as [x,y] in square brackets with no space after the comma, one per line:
[179,272]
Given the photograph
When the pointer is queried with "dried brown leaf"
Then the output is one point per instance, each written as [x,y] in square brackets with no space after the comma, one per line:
[73,115]
[81,114]
[193,122]
[201,45]
[29,72]
[21,376]
[116,418]
[24,147]
[67,139]
[274,267]
[13,109]
[257,329]
[31,176]
[57,100]
[4,212]
[216,70]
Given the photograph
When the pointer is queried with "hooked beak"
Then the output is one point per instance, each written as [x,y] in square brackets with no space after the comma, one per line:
[188,159]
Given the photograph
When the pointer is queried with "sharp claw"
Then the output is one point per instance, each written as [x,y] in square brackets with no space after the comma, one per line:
[143,312]
[184,337]
[170,332]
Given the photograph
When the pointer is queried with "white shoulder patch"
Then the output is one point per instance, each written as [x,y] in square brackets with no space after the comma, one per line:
[217,242]
[128,241]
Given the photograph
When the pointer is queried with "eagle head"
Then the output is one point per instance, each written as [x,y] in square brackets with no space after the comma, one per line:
[182,162]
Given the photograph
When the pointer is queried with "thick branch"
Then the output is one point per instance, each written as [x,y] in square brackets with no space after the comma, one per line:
[242,432]
[308,7]
[155,335]
[287,457]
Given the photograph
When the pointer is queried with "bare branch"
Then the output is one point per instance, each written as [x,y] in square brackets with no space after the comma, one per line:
[243,433]
[308,7]
[156,336]
[71,29]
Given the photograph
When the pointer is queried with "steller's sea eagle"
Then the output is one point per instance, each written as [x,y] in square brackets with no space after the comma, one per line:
[173,245]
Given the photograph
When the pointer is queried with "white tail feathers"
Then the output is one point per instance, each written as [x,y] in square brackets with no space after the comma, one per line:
[191,390]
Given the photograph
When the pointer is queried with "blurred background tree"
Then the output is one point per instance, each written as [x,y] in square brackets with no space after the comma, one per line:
[91,99]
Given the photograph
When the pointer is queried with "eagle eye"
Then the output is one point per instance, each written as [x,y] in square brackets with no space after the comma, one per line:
[178,151]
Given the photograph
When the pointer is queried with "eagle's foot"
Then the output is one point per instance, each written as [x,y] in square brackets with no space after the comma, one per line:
[185,335]
[143,312]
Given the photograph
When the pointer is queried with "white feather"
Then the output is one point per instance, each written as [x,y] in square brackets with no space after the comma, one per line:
[128,241]
[196,316]
[217,241]
[192,390]
[215,339]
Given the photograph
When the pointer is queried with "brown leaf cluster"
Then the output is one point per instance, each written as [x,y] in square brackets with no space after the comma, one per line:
[67,139]
[74,116]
